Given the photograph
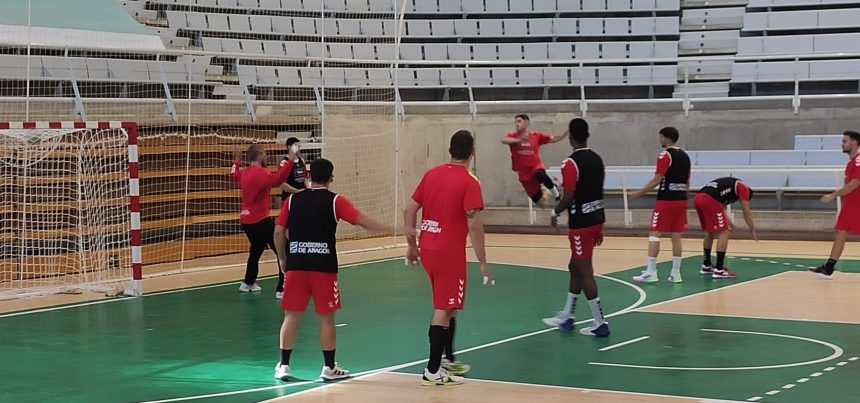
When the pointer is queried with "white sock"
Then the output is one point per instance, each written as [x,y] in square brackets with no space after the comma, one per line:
[596,311]
[570,304]
[652,266]
[676,264]
[554,192]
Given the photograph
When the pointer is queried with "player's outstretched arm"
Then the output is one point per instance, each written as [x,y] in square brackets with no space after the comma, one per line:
[844,190]
[281,245]
[511,140]
[284,169]
[556,139]
[372,225]
[476,234]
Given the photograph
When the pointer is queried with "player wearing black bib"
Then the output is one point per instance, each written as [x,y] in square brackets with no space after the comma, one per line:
[711,202]
[582,179]
[296,182]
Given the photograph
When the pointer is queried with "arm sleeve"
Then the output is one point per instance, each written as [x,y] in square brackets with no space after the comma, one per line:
[235,172]
[472,199]
[663,163]
[569,175]
[855,173]
[743,191]
[284,216]
[345,210]
[418,194]
[544,138]
[284,169]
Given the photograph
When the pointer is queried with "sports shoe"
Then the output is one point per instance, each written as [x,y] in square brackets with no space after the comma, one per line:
[596,331]
[244,287]
[724,273]
[279,295]
[455,367]
[440,378]
[822,272]
[560,320]
[706,270]
[646,277]
[282,372]
[255,288]
[675,278]
[333,374]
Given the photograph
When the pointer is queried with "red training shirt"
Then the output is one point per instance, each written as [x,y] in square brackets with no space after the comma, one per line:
[569,175]
[446,193]
[256,183]
[526,156]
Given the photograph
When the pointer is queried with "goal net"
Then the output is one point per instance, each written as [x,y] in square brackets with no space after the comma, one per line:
[65,224]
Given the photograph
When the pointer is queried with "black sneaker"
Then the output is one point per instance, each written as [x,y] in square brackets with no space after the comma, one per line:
[822,272]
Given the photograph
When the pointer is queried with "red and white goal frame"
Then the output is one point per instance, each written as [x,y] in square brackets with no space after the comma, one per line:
[133,183]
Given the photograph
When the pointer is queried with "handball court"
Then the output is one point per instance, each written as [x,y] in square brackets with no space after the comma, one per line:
[774,334]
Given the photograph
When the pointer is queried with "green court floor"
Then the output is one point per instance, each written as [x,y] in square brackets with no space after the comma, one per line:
[215,344]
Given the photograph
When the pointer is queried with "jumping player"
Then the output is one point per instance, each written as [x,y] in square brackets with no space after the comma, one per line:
[256,183]
[849,217]
[710,204]
[450,197]
[670,211]
[310,266]
[525,158]
[582,179]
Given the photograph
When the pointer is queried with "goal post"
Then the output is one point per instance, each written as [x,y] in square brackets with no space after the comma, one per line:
[70,217]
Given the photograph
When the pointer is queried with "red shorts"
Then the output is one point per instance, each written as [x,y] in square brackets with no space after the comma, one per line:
[712,214]
[528,180]
[584,240]
[849,219]
[669,216]
[447,273]
[300,286]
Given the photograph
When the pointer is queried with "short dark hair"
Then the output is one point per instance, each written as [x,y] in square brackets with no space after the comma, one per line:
[854,135]
[522,116]
[462,145]
[321,170]
[291,141]
[578,130]
[254,152]
[670,133]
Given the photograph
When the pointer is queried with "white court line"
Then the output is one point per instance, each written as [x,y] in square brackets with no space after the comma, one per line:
[622,344]
[816,374]
[854,359]
[710,291]
[558,387]
[363,374]
[771,393]
[828,369]
[802,380]
[839,364]
[202,287]
[754,399]
[837,352]
[726,315]
[789,386]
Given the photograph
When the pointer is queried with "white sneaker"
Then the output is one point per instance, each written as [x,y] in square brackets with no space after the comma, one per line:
[255,288]
[333,374]
[675,278]
[279,295]
[440,378]
[560,320]
[596,331]
[456,367]
[282,372]
[646,278]
[244,287]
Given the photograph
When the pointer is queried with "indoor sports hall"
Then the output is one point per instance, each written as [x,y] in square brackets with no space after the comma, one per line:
[124,255]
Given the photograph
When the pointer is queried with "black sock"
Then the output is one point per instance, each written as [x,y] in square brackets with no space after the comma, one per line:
[830,265]
[438,337]
[328,356]
[721,258]
[449,346]
[707,256]
[537,196]
[285,356]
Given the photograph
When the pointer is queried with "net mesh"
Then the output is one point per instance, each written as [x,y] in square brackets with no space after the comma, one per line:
[64,220]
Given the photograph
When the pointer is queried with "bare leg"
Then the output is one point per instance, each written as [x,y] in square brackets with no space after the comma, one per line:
[838,245]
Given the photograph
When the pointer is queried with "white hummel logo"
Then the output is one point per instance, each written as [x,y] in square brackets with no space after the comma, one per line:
[577,244]
[451,301]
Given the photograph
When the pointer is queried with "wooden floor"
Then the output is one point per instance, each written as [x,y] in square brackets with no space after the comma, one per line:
[785,296]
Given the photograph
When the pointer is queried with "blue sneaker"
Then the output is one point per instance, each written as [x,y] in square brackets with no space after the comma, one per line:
[561,321]
[596,331]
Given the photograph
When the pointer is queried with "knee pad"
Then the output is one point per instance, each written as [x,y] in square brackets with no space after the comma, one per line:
[653,239]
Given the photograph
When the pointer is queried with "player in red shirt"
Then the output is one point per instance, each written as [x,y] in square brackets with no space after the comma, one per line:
[256,183]
[849,217]
[450,197]
[525,159]
[583,174]
[308,220]
[710,203]
[670,211]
